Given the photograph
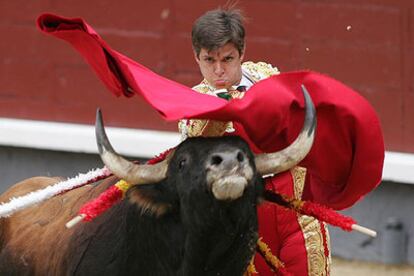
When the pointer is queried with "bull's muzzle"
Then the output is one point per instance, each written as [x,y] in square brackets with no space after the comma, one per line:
[228,173]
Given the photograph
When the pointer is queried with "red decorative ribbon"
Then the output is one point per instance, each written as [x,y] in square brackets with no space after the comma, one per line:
[318,211]
[104,201]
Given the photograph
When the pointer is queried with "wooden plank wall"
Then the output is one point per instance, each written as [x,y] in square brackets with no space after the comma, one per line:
[367,44]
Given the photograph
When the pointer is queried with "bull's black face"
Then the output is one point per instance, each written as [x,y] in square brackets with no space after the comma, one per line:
[207,204]
[221,167]
[203,171]
[217,187]
[215,179]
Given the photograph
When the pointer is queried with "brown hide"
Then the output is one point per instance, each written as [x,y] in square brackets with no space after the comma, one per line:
[37,237]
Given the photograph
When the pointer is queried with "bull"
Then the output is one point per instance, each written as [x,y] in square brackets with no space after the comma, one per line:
[192,214]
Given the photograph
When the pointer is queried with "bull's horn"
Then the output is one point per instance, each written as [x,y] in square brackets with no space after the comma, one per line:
[132,173]
[276,162]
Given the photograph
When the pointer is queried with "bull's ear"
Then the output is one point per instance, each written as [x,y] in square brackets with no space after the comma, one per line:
[150,199]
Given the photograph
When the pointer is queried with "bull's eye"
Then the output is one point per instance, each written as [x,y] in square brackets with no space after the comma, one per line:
[181,164]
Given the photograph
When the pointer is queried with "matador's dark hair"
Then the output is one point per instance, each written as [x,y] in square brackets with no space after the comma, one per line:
[217,27]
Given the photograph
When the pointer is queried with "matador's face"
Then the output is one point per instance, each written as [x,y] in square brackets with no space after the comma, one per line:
[221,67]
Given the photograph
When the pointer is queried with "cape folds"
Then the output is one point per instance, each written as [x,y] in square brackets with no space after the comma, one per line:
[347,157]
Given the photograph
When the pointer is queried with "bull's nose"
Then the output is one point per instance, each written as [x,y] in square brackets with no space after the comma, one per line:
[227,160]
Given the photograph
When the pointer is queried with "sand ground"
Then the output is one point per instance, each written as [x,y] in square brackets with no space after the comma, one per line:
[342,267]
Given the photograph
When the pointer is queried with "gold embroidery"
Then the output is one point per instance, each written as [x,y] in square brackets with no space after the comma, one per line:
[275,262]
[213,128]
[299,176]
[259,70]
[236,94]
[318,264]
[328,244]
[195,127]
[251,269]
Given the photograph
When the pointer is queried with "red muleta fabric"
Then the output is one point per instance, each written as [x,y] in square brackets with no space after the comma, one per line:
[347,157]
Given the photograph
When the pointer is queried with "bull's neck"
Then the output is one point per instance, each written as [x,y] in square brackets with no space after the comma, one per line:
[222,242]
[208,239]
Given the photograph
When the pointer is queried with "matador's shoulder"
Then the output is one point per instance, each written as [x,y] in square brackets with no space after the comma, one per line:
[259,70]
[203,87]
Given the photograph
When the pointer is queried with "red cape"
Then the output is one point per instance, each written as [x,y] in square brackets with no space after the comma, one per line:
[347,157]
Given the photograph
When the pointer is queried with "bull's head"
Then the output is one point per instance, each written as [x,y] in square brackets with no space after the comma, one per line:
[223,169]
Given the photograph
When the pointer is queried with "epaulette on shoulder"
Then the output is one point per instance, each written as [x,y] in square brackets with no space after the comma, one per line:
[259,70]
[202,87]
